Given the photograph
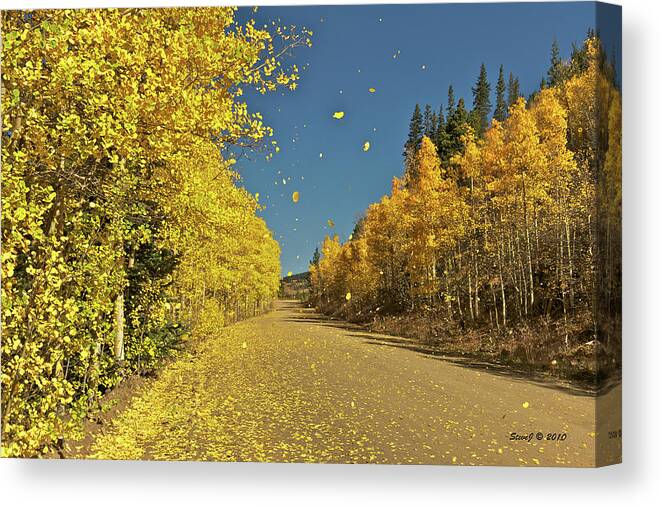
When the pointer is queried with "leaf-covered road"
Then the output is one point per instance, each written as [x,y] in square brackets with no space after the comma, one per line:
[292,386]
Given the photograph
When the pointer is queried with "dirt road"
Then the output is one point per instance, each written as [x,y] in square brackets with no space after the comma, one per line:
[294,386]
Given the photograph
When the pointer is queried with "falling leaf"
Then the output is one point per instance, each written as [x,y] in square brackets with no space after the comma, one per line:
[372,90]
[366,146]
[331,223]
[348,296]
[338,115]
[277,149]
[423,67]
[295,196]
[525,404]
[257,196]
[284,181]
[289,273]
[321,155]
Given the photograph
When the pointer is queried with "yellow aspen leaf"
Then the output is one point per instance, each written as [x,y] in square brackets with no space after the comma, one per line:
[366,146]
[348,296]
[295,196]
[338,115]
[525,404]
[372,90]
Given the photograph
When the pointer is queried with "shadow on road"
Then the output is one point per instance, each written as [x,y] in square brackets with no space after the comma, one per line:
[310,316]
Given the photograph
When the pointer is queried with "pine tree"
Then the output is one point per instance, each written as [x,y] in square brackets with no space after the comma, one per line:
[358,228]
[450,110]
[434,122]
[513,92]
[415,132]
[500,112]
[556,70]
[481,103]
[578,61]
[440,130]
[428,126]
[440,123]
[456,128]
[315,257]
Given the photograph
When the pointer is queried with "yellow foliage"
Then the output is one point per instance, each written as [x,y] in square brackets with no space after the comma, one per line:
[116,201]
[506,231]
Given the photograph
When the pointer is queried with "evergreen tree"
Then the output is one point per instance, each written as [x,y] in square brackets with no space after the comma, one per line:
[315,257]
[358,227]
[456,128]
[416,126]
[440,121]
[578,62]
[556,70]
[434,130]
[612,66]
[428,126]
[500,112]
[481,103]
[440,130]
[513,92]
[450,110]
[415,132]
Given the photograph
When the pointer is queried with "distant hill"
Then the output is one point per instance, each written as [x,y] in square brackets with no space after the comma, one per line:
[295,286]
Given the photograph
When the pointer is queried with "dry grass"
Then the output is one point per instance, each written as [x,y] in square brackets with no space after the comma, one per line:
[567,351]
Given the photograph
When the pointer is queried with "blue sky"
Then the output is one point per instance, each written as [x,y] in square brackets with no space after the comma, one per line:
[353,48]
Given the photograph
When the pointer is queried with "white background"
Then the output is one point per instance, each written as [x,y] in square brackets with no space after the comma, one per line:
[636,482]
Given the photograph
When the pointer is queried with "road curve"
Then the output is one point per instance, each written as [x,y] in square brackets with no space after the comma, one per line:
[292,386]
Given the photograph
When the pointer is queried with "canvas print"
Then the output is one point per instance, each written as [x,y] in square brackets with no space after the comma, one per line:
[330,234]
